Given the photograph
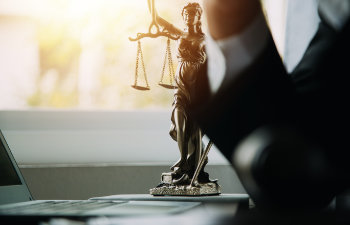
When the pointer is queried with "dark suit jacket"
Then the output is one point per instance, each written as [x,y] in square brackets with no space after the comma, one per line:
[312,100]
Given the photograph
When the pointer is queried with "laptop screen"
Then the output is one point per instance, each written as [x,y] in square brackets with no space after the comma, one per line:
[8,175]
[13,188]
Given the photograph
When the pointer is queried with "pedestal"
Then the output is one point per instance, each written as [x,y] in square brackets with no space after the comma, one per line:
[166,187]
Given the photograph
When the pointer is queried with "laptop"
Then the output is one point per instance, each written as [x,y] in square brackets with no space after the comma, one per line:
[16,201]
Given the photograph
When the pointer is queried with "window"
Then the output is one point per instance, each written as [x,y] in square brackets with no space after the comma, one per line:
[75,54]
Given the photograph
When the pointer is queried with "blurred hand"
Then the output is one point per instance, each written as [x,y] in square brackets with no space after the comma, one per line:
[229,17]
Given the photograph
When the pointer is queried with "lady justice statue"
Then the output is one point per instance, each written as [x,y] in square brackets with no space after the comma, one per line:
[187,176]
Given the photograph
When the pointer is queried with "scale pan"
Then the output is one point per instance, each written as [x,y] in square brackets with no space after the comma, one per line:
[140,88]
[168,86]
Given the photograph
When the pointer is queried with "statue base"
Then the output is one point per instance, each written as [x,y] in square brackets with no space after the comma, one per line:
[166,187]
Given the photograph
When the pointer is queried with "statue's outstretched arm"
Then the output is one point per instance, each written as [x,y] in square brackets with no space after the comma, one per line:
[169,27]
[157,20]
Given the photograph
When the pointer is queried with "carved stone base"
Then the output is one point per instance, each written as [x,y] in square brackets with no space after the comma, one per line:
[211,188]
[168,188]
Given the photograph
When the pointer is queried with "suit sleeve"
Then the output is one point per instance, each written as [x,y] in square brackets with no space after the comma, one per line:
[260,94]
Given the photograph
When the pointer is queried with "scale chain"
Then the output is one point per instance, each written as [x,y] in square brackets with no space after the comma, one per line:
[143,66]
[171,67]
[163,69]
[137,62]
[139,53]
[170,64]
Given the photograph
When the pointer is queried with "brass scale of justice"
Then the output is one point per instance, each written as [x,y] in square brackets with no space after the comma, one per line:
[168,56]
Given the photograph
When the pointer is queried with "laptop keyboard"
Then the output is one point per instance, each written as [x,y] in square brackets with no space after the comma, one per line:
[57,207]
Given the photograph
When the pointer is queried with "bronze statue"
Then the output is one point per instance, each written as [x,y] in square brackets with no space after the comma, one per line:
[183,178]
[187,176]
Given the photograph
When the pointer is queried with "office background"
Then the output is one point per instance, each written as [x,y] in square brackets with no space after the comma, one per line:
[81,152]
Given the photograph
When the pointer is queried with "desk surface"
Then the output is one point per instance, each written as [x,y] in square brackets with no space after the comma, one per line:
[224,209]
[222,198]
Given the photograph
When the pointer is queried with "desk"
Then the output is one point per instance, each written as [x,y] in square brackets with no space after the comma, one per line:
[213,209]
[242,199]
[225,209]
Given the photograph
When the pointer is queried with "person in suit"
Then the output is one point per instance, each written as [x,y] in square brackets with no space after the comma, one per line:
[285,133]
